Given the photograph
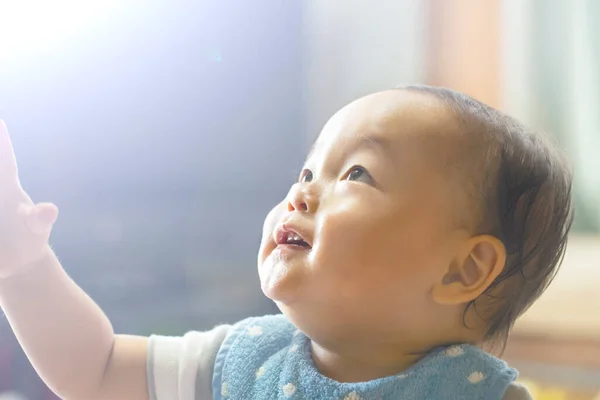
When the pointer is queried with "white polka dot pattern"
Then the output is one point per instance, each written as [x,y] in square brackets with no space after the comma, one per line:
[454,351]
[476,377]
[289,390]
[255,331]
[352,396]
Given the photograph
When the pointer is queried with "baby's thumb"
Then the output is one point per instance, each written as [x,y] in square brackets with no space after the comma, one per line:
[41,218]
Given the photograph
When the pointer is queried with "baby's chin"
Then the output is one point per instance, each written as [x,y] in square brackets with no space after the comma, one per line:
[280,281]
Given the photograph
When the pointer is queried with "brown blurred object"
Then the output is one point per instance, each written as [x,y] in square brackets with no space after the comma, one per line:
[562,327]
[464,47]
[577,353]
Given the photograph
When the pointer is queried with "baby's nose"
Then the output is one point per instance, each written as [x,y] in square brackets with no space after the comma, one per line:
[302,199]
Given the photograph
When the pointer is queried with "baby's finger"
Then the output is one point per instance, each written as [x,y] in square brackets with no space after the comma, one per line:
[8,163]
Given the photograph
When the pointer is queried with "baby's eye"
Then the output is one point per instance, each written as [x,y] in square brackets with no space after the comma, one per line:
[306,176]
[359,174]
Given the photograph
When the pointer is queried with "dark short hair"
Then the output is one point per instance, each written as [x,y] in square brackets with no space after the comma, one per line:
[522,183]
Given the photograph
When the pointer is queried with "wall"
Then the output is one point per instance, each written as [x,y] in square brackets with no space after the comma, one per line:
[356,49]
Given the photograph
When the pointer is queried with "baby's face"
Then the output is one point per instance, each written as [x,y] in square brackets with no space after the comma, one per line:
[366,231]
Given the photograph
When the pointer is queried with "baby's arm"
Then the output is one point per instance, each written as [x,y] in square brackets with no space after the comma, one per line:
[65,335]
[68,339]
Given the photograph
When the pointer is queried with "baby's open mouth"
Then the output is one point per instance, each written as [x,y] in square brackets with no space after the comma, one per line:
[289,237]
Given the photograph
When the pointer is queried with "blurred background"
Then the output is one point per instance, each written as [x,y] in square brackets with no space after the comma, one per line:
[166,130]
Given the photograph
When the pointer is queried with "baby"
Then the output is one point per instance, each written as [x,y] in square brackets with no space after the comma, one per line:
[421,226]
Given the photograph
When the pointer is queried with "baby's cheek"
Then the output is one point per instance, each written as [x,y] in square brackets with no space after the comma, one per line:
[342,235]
[271,220]
[269,224]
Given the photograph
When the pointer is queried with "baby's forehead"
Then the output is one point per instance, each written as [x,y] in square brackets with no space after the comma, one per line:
[397,118]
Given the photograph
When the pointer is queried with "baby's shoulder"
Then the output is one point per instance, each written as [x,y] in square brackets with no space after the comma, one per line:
[516,391]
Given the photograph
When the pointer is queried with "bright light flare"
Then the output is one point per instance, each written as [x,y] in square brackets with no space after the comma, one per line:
[36,26]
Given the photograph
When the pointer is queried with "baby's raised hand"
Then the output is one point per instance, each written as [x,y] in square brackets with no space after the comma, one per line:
[24,226]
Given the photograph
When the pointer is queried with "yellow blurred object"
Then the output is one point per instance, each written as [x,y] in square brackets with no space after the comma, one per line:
[543,392]
[552,394]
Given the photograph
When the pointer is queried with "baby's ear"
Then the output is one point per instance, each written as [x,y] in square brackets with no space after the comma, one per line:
[479,261]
